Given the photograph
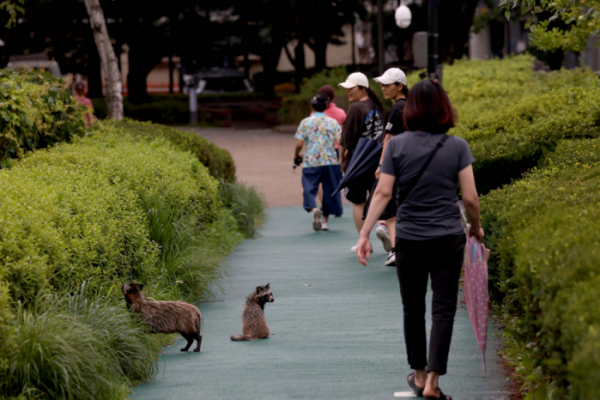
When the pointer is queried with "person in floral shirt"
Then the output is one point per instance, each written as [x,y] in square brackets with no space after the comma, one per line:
[320,133]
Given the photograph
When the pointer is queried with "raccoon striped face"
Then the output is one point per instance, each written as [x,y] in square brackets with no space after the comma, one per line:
[264,293]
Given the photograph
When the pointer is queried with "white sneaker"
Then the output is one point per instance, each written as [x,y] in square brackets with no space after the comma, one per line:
[384,236]
[317,224]
[324,225]
[354,248]
[391,261]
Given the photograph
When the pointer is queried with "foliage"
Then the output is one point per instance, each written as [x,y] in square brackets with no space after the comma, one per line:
[511,139]
[246,205]
[36,111]
[544,236]
[582,18]
[81,346]
[217,160]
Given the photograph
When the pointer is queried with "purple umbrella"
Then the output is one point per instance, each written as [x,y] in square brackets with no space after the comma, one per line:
[476,290]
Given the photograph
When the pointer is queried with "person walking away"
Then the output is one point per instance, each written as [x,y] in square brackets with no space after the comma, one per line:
[427,165]
[364,119]
[336,113]
[319,133]
[394,87]
[81,99]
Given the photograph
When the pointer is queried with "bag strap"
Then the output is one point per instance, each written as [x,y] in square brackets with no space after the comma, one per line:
[422,171]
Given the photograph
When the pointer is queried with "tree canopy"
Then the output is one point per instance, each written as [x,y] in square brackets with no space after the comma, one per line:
[580,20]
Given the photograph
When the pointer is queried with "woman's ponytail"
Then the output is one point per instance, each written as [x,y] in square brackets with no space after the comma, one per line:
[375,99]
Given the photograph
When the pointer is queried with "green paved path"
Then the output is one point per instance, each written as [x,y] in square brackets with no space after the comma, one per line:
[336,327]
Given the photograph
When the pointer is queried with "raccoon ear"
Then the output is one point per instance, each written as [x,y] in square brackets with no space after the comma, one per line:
[268,286]
[141,286]
[138,286]
[258,289]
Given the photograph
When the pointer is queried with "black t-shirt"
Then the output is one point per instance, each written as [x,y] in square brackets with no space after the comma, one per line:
[362,120]
[395,125]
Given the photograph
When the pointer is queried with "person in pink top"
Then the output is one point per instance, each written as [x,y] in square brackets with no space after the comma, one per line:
[332,111]
[81,99]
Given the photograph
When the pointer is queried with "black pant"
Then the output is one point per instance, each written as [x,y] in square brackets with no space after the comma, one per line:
[415,261]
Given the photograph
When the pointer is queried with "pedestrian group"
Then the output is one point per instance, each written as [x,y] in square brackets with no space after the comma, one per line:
[410,196]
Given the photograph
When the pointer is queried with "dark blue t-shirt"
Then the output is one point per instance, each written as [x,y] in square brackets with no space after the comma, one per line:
[430,210]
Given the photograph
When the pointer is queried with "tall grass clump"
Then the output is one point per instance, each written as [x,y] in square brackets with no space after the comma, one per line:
[246,205]
[79,346]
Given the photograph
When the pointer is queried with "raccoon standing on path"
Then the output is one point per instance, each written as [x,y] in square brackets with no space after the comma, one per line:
[254,324]
[165,316]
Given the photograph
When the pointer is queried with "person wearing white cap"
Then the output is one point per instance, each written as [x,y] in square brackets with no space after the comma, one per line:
[394,87]
[364,119]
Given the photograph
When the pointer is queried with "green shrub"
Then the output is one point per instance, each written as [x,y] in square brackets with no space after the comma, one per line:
[544,236]
[218,161]
[36,111]
[510,140]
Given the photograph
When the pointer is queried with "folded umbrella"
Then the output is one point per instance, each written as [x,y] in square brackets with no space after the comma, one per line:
[365,160]
[476,291]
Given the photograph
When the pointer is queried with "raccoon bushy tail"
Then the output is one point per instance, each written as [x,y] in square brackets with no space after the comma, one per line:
[240,338]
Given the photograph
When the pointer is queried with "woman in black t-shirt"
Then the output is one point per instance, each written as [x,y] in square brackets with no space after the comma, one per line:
[394,87]
[364,119]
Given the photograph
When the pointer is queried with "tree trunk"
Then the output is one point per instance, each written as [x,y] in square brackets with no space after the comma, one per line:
[110,66]
[320,49]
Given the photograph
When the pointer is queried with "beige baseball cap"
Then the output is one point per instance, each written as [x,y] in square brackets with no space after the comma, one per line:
[392,75]
[355,79]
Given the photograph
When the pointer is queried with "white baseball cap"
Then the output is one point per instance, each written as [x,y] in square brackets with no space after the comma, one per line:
[392,75]
[355,79]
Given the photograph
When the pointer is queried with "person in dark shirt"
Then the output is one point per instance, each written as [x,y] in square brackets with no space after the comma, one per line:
[364,119]
[394,87]
[430,239]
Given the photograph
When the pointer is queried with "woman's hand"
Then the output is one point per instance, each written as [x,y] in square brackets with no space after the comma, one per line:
[363,250]
[477,232]
[377,173]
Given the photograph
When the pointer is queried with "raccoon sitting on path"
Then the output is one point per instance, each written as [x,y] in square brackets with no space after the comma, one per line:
[165,316]
[254,324]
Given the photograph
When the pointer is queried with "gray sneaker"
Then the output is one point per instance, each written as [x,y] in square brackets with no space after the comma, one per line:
[384,236]
[317,224]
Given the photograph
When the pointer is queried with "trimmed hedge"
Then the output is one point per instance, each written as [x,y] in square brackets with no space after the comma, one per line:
[218,161]
[544,234]
[36,111]
[510,140]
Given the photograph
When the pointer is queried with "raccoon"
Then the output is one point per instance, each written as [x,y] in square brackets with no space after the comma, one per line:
[165,316]
[254,324]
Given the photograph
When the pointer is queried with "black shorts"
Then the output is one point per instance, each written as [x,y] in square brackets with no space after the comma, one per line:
[390,210]
[358,191]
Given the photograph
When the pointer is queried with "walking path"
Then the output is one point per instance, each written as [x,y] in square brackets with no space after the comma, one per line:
[336,327]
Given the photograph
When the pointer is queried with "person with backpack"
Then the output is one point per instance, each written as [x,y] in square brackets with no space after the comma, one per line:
[427,165]
[363,119]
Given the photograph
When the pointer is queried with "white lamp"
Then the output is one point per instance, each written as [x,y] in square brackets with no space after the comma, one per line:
[403,17]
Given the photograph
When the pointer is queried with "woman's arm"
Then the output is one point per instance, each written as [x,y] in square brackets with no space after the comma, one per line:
[385,142]
[471,200]
[381,198]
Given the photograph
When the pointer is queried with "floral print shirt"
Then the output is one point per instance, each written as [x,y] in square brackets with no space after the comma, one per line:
[319,133]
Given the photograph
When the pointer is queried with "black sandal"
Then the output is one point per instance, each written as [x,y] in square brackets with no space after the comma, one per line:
[442,396]
[411,382]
